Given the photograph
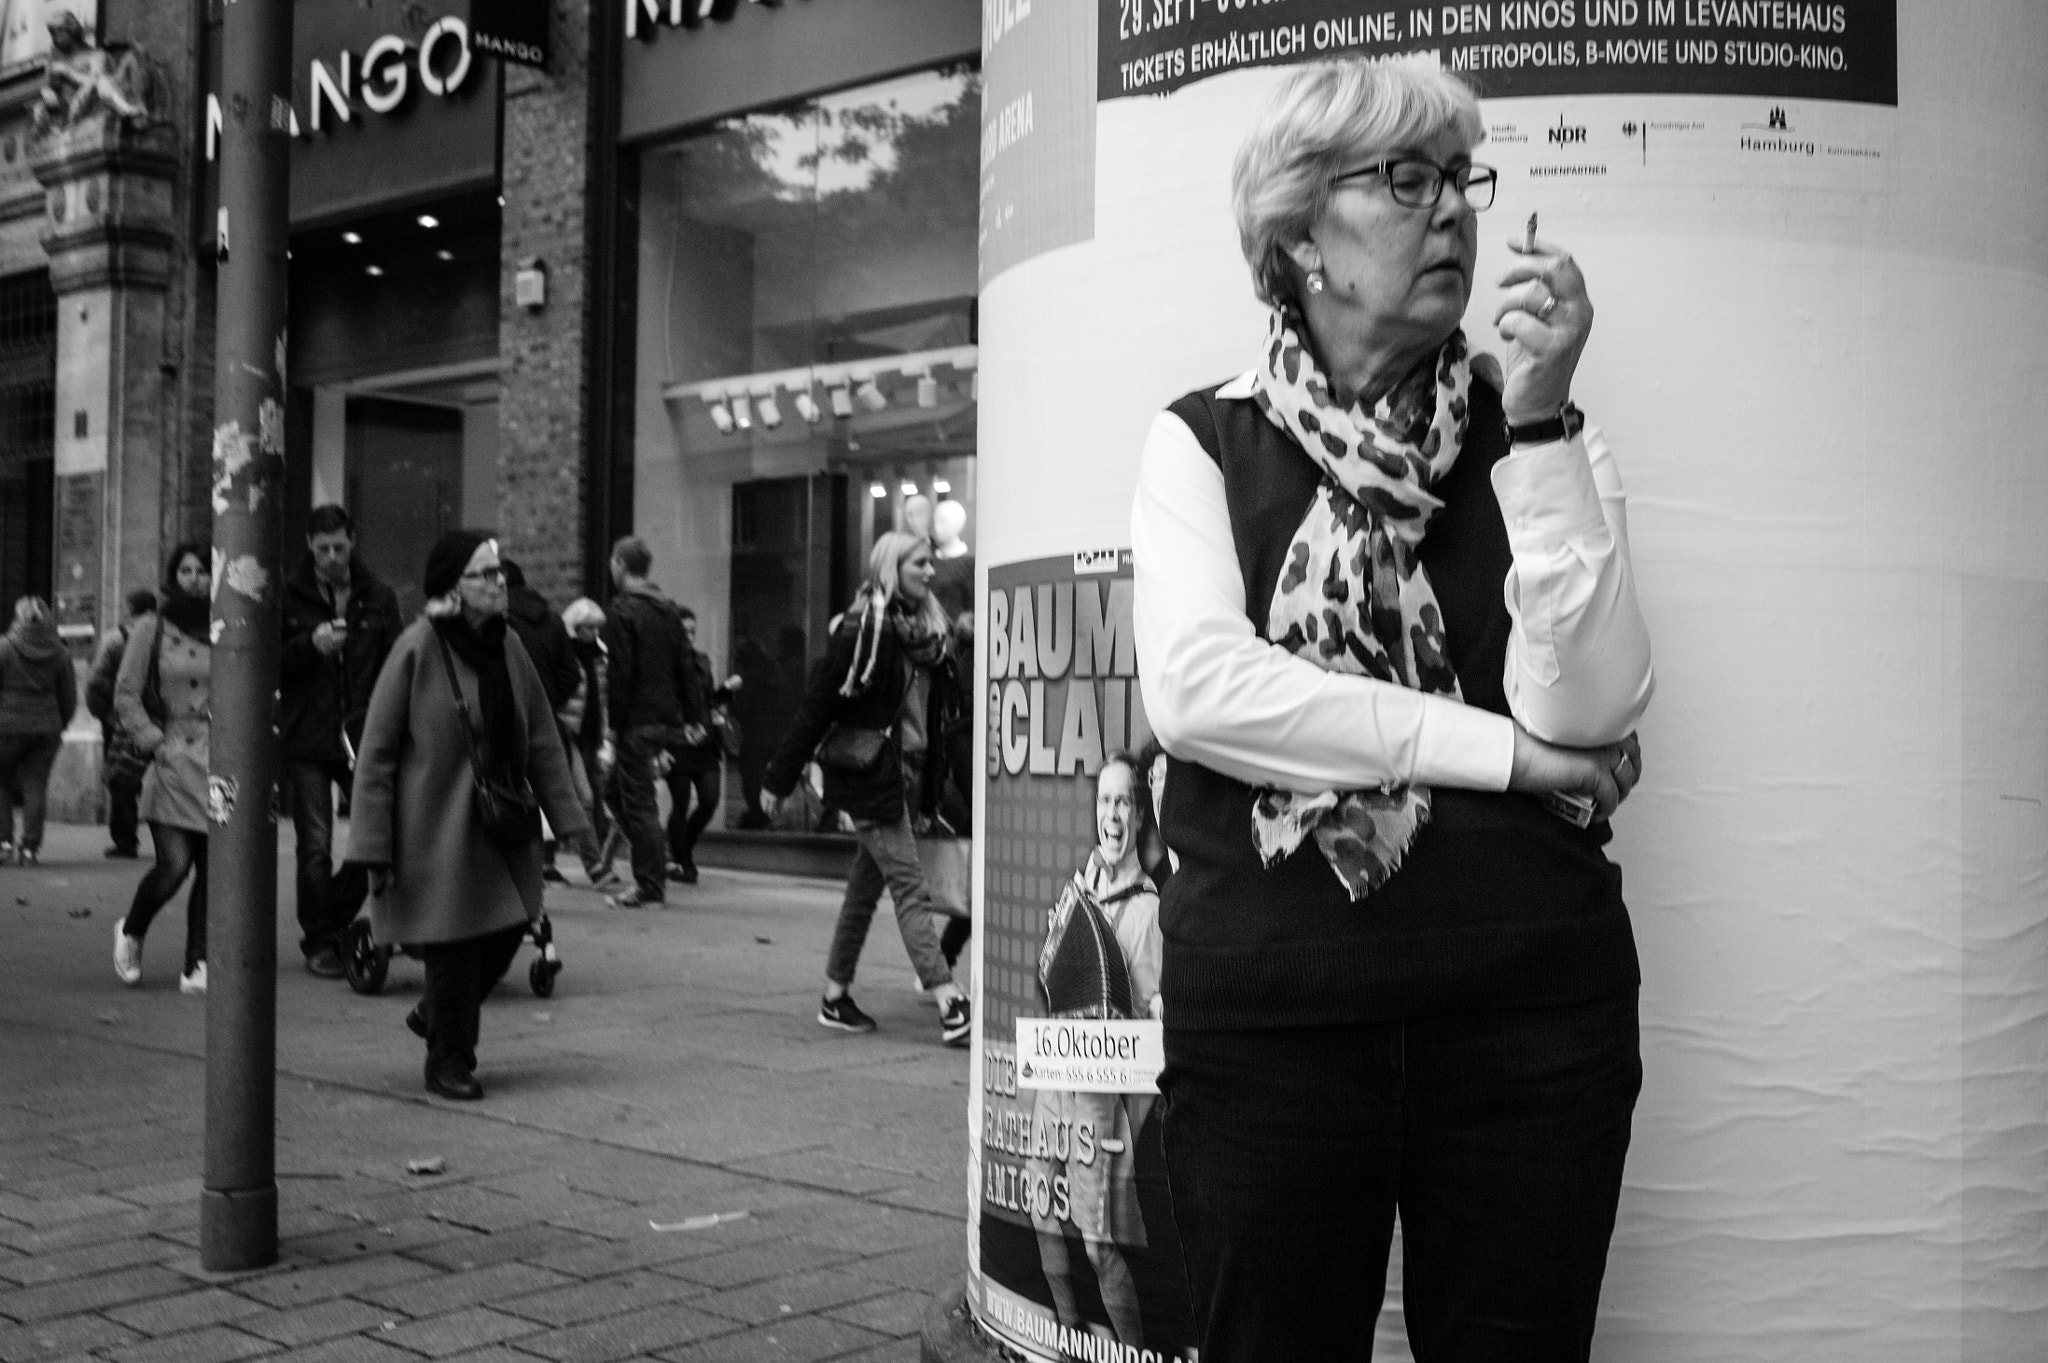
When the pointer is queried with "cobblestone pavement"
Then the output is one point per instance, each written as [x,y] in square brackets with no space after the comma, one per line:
[673,1161]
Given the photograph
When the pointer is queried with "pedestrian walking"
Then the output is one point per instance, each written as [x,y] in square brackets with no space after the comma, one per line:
[590,748]
[340,622]
[697,764]
[529,616]
[162,697]
[761,708]
[649,672]
[121,766]
[460,756]
[876,716]
[38,692]
[1385,616]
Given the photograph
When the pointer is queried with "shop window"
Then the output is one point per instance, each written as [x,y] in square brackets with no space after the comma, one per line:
[806,359]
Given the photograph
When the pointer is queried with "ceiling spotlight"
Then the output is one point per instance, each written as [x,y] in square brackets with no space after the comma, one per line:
[927,390]
[742,413]
[352,238]
[444,254]
[871,396]
[501,201]
[721,415]
[428,221]
[375,270]
[909,488]
[765,408]
[807,406]
[941,486]
[842,401]
[877,491]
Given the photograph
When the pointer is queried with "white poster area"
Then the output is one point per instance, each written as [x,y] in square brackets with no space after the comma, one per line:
[1822,328]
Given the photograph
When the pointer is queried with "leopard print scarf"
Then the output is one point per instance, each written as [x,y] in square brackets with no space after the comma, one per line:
[1353,596]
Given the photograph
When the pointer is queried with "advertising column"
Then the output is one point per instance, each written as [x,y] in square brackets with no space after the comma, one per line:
[1812,234]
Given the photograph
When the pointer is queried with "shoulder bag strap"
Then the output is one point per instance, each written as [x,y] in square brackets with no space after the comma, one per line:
[461,704]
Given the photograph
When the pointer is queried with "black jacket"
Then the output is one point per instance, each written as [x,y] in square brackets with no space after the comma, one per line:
[319,696]
[547,643]
[876,796]
[650,661]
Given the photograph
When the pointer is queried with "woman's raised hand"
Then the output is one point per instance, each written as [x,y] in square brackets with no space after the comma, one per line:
[1545,320]
[1605,775]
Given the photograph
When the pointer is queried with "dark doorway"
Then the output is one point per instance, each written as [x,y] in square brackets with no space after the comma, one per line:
[28,416]
[788,577]
[404,475]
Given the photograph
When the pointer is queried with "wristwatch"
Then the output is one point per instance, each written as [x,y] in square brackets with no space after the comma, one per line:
[1568,422]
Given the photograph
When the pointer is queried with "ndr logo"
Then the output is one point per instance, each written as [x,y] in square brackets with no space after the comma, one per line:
[1564,135]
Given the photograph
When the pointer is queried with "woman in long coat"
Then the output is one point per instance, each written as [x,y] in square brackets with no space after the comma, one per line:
[163,697]
[437,882]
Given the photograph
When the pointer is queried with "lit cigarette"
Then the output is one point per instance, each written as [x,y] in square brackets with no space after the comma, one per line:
[1529,240]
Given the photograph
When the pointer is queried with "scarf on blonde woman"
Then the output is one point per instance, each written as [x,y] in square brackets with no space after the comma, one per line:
[872,614]
[1353,596]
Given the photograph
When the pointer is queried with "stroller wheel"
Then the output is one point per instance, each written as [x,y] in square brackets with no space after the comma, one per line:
[541,976]
[362,960]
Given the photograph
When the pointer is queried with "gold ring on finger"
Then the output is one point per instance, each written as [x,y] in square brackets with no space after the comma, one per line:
[1549,306]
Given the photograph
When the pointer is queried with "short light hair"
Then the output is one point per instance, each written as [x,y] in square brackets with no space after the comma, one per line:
[582,611]
[1323,119]
[633,555]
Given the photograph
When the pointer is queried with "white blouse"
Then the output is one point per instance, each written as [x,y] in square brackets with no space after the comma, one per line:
[1578,664]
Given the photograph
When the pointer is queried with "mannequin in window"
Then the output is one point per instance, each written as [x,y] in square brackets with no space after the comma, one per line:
[953,583]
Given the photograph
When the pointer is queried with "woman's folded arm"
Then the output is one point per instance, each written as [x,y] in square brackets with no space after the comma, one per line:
[1578,665]
[1219,695]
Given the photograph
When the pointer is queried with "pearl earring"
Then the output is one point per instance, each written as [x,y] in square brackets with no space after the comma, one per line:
[1315,281]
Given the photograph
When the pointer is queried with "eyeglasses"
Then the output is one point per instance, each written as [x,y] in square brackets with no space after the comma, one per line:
[1418,183]
[492,574]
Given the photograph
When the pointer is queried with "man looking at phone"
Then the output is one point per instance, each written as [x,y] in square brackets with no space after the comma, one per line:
[339,625]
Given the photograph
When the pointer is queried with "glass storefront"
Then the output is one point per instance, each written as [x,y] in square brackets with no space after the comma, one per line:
[805,362]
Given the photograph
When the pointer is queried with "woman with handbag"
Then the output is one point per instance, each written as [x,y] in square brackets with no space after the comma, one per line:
[460,753]
[880,705]
[38,691]
[162,698]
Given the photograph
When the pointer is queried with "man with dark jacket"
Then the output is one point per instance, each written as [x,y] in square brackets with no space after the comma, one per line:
[339,625]
[547,642]
[698,762]
[648,677]
[545,636]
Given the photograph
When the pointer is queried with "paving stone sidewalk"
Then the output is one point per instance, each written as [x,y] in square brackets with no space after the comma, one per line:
[673,1161]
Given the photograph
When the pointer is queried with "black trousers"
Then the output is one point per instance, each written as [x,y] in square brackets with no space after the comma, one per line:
[1499,1137]
[328,899]
[460,976]
[693,772]
[179,853]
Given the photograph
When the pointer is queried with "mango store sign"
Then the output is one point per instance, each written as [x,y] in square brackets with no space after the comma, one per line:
[381,80]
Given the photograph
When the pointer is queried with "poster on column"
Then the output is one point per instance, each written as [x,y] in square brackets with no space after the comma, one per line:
[1072,1229]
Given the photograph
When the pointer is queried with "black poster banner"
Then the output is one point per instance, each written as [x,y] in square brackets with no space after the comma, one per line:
[1780,49]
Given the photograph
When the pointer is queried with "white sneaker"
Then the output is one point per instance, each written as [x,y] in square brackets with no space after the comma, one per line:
[127,955]
[194,980]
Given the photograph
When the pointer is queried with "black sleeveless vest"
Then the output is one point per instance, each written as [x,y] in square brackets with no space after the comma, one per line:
[1499,903]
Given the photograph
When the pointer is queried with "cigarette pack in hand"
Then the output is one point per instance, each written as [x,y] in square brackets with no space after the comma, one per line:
[1576,810]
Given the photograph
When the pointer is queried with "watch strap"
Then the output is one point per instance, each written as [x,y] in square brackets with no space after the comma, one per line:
[1568,422]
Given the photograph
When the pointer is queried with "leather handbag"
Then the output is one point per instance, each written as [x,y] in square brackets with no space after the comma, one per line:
[509,815]
[852,751]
